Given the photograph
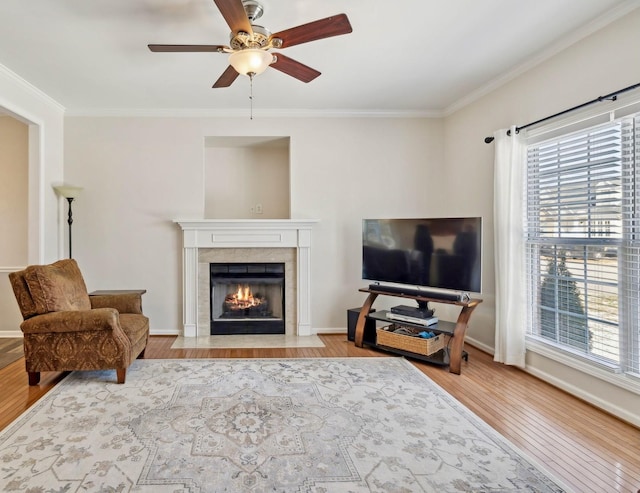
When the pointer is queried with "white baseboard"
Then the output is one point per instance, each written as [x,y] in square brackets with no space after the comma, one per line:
[623,414]
[330,330]
[5,334]
[480,345]
[164,332]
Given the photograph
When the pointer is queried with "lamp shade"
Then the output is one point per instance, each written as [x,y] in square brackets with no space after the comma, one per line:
[67,191]
[250,61]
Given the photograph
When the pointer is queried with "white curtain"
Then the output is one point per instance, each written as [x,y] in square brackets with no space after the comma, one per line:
[508,215]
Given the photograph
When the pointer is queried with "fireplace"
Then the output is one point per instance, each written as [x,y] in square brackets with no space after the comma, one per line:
[207,241]
[247,298]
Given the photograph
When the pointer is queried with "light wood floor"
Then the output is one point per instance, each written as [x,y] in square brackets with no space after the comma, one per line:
[586,448]
[10,350]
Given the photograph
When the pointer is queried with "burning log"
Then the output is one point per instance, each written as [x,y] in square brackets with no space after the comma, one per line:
[244,303]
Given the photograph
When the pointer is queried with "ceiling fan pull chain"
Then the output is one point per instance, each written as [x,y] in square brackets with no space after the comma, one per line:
[251,94]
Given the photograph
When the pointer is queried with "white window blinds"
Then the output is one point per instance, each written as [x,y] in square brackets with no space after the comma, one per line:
[582,222]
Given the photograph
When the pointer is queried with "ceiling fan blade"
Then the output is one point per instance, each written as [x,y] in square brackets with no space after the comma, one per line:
[186,48]
[320,29]
[295,69]
[227,78]
[234,14]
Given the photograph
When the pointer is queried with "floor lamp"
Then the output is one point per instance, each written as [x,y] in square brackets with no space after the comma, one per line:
[69,192]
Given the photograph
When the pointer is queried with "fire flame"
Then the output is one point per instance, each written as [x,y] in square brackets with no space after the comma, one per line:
[243,298]
[244,293]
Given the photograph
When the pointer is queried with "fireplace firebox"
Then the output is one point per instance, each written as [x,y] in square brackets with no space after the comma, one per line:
[247,298]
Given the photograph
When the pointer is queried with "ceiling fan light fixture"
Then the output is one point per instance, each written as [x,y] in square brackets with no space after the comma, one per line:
[250,61]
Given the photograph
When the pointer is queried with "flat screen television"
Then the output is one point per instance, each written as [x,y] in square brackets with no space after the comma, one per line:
[441,253]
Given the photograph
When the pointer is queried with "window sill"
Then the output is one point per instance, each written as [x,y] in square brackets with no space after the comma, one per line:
[603,372]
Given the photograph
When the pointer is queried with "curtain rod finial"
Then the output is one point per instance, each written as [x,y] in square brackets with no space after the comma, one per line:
[488,140]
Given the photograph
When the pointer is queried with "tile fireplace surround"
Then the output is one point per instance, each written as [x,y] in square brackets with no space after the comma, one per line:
[208,241]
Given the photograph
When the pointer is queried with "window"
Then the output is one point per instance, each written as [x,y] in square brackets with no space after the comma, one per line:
[582,240]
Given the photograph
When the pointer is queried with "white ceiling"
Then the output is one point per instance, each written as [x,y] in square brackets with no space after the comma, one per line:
[404,56]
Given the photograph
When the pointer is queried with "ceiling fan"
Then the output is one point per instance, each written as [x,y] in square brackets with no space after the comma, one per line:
[250,44]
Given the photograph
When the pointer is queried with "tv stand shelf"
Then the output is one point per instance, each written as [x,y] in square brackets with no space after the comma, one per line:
[442,327]
[451,355]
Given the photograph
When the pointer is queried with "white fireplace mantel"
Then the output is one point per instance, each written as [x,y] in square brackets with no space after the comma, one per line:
[245,233]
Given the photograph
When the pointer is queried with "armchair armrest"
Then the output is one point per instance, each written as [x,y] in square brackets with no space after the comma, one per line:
[123,302]
[72,321]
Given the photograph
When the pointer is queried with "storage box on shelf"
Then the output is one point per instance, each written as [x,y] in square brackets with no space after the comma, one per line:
[386,337]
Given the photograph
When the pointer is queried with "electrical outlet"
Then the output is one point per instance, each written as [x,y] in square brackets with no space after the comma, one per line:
[258,208]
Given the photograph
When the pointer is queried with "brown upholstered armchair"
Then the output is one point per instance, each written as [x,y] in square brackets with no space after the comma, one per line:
[66,329]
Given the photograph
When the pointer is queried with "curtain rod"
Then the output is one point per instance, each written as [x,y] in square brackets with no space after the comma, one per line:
[609,97]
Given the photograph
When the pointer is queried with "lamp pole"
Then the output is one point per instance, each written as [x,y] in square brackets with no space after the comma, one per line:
[69,192]
[70,222]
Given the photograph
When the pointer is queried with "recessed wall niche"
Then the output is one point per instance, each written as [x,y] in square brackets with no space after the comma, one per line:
[246,178]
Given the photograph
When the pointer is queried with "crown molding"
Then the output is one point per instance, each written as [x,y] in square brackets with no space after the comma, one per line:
[243,113]
[29,88]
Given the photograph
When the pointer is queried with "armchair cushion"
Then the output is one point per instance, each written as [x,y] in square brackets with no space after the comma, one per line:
[136,328]
[21,290]
[124,303]
[72,321]
[57,287]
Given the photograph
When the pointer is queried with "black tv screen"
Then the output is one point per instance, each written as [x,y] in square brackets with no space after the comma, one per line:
[444,253]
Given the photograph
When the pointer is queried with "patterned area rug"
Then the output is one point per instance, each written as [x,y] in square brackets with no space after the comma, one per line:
[259,425]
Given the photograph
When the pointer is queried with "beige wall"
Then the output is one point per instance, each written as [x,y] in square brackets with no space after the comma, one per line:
[240,180]
[14,163]
[14,172]
[139,174]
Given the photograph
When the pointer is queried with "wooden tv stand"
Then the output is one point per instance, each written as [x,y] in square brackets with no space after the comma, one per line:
[450,356]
